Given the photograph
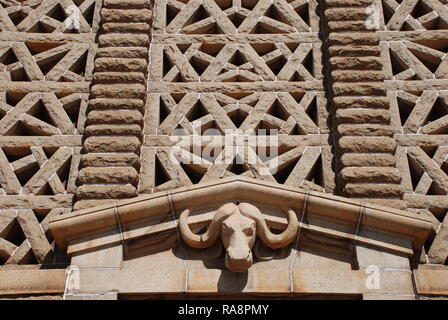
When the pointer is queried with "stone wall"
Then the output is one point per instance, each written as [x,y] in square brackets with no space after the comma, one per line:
[46,64]
[92,112]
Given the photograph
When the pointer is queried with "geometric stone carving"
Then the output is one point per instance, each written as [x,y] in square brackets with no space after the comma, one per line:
[203,17]
[415,15]
[47,16]
[236,62]
[46,62]
[31,61]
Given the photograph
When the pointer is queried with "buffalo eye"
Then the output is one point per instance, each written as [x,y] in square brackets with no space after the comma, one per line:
[249,231]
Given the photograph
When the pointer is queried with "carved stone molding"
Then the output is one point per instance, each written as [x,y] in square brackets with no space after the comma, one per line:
[239,235]
[390,229]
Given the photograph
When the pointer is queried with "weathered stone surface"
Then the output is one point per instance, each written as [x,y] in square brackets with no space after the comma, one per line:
[359,25]
[359,89]
[123,52]
[355,39]
[120,64]
[348,3]
[126,27]
[126,4]
[112,144]
[354,51]
[338,14]
[104,103]
[388,190]
[98,175]
[365,130]
[119,91]
[110,160]
[21,281]
[367,145]
[85,204]
[113,130]
[123,40]
[368,160]
[128,15]
[356,63]
[357,75]
[119,77]
[361,102]
[370,174]
[432,280]
[362,116]
[438,253]
[114,117]
[106,192]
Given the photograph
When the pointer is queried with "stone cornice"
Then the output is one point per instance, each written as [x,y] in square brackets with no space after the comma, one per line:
[94,227]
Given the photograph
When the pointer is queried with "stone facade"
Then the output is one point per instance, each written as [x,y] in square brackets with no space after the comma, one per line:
[104,101]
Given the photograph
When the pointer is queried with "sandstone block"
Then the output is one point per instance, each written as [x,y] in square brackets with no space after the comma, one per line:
[354,51]
[119,91]
[356,63]
[119,77]
[357,75]
[365,130]
[114,27]
[391,203]
[362,116]
[359,25]
[370,175]
[109,175]
[341,39]
[106,191]
[123,52]
[115,117]
[110,160]
[113,130]
[368,160]
[112,144]
[101,103]
[362,102]
[387,190]
[85,204]
[438,253]
[124,40]
[126,15]
[359,89]
[367,145]
[338,14]
[120,65]
[126,4]
[348,3]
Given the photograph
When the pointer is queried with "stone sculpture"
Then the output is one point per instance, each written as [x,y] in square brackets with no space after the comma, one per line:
[238,227]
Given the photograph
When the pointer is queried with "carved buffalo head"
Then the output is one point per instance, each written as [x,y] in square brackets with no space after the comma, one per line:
[238,227]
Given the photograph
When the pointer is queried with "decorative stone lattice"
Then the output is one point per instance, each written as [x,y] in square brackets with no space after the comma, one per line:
[415,69]
[45,71]
[239,66]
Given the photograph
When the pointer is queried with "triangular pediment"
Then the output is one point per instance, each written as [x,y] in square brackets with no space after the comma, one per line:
[192,229]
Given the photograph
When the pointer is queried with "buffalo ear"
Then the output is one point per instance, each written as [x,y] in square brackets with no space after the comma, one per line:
[212,252]
[263,252]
